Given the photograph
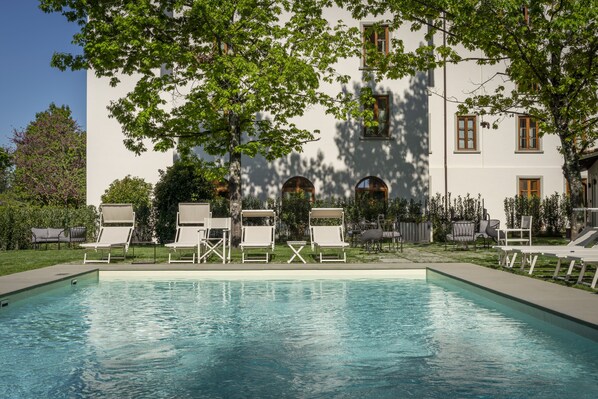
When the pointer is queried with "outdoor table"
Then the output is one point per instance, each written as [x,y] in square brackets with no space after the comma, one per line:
[503,235]
[296,247]
[141,244]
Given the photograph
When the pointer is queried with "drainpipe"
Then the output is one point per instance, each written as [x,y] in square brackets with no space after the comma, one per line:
[445,119]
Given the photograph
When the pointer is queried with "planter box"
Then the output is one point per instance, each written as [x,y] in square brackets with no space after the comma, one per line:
[416,232]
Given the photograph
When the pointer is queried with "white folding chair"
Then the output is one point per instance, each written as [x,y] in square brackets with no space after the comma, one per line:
[216,240]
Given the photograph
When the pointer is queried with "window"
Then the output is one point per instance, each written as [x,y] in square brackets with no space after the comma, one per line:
[529,187]
[372,188]
[528,87]
[467,133]
[297,185]
[528,139]
[381,114]
[525,14]
[375,37]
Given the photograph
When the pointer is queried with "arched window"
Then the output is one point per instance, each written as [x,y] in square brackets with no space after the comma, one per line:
[372,188]
[299,184]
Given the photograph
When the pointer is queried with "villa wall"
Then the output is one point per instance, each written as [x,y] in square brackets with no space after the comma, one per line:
[410,161]
[107,157]
[494,169]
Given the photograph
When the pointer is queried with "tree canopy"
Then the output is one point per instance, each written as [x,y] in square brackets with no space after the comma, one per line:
[226,75]
[545,53]
[49,159]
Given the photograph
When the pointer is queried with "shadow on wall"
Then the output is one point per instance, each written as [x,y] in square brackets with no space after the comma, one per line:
[401,161]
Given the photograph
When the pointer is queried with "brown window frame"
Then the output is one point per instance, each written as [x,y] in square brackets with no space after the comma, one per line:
[379,132]
[299,184]
[375,187]
[528,191]
[465,146]
[527,136]
[374,37]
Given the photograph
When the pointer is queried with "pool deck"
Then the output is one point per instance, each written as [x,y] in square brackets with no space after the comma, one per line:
[570,303]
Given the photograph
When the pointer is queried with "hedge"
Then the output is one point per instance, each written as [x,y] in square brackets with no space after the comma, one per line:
[16,222]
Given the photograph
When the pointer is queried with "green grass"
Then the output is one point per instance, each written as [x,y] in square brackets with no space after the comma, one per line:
[23,260]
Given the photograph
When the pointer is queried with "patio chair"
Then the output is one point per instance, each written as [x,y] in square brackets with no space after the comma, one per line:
[492,229]
[76,235]
[216,240]
[257,237]
[191,231]
[117,222]
[521,234]
[462,232]
[392,232]
[329,237]
[481,233]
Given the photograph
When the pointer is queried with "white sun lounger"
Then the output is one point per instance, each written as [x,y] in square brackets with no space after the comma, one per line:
[117,222]
[328,237]
[585,259]
[529,253]
[187,240]
[191,230]
[257,237]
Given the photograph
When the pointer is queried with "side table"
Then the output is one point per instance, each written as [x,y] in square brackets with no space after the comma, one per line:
[141,244]
[296,247]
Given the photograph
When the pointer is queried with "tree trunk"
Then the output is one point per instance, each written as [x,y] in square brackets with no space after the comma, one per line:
[235,188]
[572,173]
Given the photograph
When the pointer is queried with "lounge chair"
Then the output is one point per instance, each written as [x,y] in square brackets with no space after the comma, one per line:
[585,259]
[257,237]
[462,232]
[328,237]
[530,253]
[580,258]
[191,231]
[117,222]
[186,241]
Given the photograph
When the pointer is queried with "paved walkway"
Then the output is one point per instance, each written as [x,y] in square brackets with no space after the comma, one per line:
[552,302]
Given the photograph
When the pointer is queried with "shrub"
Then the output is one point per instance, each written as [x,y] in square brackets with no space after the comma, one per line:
[16,222]
[185,181]
[549,215]
[136,191]
[294,215]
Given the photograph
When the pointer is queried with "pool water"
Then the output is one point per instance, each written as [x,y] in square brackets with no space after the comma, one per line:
[283,339]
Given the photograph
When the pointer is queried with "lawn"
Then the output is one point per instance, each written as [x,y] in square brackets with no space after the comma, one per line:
[22,260]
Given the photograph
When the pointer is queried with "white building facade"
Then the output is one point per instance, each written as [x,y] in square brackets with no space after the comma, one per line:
[422,146]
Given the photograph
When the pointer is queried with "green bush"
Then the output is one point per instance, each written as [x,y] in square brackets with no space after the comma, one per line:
[549,215]
[16,222]
[185,181]
[459,208]
[136,191]
[294,215]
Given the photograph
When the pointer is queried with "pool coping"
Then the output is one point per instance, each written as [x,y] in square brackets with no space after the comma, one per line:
[570,303]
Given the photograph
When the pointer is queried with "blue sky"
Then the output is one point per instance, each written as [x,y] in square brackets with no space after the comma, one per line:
[28,84]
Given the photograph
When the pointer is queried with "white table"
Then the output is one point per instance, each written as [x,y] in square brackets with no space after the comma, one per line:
[517,236]
[296,247]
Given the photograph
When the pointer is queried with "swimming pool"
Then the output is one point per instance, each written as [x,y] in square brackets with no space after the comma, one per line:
[308,338]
